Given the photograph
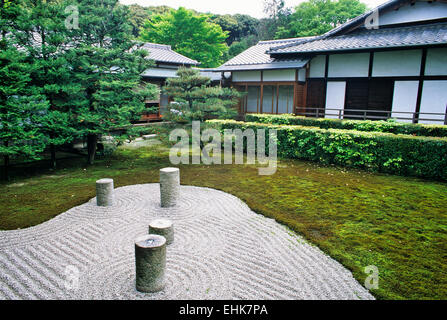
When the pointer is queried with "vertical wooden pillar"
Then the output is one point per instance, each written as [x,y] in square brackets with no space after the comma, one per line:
[277,97]
[262,91]
[421,85]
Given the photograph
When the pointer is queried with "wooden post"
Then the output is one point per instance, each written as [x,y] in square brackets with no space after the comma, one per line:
[445,115]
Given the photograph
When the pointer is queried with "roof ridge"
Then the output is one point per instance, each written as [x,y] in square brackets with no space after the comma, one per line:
[157,45]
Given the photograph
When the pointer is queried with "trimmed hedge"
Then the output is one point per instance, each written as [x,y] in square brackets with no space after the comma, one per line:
[429,130]
[383,152]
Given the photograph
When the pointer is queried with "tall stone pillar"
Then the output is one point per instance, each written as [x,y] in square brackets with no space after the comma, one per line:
[104,192]
[169,186]
[150,263]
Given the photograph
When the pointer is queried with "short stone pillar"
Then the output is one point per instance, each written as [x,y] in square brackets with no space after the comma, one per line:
[150,263]
[162,227]
[104,192]
[169,186]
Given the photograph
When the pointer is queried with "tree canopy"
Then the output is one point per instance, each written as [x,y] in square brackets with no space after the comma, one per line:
[188,33]
[315,17]
[107,64]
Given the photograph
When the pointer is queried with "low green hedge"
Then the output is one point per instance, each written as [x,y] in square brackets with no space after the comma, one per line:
[429,130]
[384,152]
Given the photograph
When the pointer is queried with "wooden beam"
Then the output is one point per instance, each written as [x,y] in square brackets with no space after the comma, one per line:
[262,98]
[277,97]
[371,62]
[421,84]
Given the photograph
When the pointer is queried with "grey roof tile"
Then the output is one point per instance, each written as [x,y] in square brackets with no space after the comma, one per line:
[164,53]
[258,53]
[430,34]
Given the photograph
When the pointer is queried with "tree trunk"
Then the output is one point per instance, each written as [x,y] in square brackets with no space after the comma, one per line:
[92,140]
[53,156]
[6,168]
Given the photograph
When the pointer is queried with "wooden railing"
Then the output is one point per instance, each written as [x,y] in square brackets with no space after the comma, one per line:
[362,114]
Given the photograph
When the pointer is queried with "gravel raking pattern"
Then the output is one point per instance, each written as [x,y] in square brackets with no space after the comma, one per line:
[221,250]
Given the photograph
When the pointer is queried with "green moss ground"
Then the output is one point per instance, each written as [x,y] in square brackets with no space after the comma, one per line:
[398,224]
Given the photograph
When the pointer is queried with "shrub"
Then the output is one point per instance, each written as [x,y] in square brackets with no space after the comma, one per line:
[376,151]
[429,130]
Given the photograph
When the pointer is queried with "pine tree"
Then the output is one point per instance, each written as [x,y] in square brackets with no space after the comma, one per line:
[44,36]
[21,106]
[197,98]
[107,64]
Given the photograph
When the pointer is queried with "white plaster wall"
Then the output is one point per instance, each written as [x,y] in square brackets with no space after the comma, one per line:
[404,99]
[245,76]
[420,11]
[348,65]
[436,64]
[434,99]
[335,98]
[302,74]
[279,75]
[397,63]
[317,66]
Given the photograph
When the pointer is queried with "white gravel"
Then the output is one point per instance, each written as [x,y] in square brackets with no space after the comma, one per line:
[222,250]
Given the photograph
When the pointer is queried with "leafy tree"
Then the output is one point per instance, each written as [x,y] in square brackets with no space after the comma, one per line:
[107,64]
[240,46]
[43,35]
[278,17]
[228,23]
[189,34]
[196,99]
[315,17]
[20,104]
[138,15]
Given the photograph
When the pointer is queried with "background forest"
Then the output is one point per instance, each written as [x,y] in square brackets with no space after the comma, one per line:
[225,36]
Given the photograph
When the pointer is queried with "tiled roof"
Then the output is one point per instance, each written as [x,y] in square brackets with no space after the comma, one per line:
[417,35]
[164,53]
[256,57]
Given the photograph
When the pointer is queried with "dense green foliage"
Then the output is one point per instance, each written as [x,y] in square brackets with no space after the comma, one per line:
[196,99]
[430,130]
[62,80]
[20,108]
[107,64]
[43,35]
[384,152]
[189,34]
[315,17]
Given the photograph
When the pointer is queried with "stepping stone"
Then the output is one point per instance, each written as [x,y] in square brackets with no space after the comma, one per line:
[150,263]
[104,192]
[169,186]
[149,136]
[163,227]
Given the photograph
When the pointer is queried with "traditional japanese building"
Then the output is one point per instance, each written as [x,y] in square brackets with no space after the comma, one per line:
[389,62]
[167,62]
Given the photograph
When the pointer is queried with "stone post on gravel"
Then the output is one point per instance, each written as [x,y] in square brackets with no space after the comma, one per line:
[104,192]
[169,186]
[162,227]
[150,263]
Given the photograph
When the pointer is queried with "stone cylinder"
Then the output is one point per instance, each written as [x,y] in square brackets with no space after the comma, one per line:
[104,192]
[169,186]
[163,227]
[150,263]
